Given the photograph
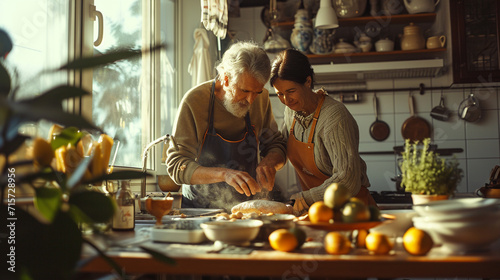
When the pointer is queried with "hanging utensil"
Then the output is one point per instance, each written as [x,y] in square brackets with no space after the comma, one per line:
[415,128]
[469,109]
[440,112]
[379,130]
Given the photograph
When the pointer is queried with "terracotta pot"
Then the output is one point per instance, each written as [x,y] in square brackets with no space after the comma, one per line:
[426,198]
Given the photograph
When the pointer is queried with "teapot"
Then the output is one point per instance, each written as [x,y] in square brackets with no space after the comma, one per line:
[412,38]
[364,43]
[420,6]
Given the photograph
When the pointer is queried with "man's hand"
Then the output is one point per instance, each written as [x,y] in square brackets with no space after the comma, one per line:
[242,182]
[265,176]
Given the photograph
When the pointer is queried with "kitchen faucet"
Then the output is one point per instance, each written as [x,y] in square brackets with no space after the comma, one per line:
[164,138]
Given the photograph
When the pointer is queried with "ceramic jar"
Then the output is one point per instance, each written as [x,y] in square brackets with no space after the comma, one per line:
[384,45]
[302,33]
[412,38]
[322,42]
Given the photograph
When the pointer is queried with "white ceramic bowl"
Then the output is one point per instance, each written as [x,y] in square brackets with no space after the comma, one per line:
[459,206]
[461,236]
[239,232]
[472,216]
[401,223]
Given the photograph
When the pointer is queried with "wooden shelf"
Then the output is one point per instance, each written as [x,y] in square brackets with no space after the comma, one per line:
[382,20]
[375,56]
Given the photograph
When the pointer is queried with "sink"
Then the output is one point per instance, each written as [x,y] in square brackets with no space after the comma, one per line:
[177,213]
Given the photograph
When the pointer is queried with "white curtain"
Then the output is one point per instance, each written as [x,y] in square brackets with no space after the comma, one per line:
[200,66]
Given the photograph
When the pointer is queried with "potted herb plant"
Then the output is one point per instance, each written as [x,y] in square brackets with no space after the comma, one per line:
[425,174]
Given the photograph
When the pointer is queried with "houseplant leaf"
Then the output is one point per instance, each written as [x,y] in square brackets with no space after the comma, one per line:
[110,57]
[48,201]
[4,81]
[96,206]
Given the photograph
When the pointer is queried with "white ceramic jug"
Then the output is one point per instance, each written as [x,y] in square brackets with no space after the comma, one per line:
[420,6]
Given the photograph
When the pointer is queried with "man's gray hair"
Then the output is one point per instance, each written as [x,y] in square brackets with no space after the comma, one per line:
[245,56]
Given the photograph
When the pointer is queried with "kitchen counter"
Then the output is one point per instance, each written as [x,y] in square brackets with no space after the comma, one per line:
[311,260]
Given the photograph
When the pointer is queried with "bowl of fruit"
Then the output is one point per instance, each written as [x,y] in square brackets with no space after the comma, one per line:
[339,211]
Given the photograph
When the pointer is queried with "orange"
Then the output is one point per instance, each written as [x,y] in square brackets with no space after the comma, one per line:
[336,243]
[355,211]
[283,240]
[336,195]
[378,243]
[319,212]
[42,152]
[360,236]
[417,242]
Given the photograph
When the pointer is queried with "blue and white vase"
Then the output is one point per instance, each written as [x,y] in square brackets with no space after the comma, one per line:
[302,33]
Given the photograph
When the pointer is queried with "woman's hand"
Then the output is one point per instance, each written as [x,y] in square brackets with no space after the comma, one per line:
[265,176]
[300,206]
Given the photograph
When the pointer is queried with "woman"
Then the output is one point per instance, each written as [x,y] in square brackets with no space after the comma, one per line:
[322,136]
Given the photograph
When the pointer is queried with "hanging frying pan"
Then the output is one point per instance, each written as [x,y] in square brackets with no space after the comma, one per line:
[379,130]
[415,128]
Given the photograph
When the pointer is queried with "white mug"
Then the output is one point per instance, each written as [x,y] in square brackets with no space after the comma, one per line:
[435,42]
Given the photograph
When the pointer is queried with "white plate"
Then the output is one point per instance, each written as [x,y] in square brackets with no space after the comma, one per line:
[458,205]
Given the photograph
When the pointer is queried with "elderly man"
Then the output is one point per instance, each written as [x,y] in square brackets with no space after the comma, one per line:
[229,145]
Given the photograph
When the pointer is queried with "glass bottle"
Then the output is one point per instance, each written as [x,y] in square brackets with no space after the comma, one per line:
[124,218]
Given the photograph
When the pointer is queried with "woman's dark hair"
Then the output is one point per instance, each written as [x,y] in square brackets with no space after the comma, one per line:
[292,65]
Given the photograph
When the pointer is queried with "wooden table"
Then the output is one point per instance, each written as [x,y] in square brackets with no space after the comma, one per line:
[311,260]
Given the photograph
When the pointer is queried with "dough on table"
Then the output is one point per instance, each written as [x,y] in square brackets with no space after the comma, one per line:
[263,207]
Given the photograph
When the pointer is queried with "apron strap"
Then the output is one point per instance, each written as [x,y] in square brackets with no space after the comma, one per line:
[315,119]
[211,107]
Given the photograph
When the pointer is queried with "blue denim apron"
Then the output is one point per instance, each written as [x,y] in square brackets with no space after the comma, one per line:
[219,152]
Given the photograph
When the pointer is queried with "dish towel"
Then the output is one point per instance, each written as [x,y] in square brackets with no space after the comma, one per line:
[201,64]
[214,16]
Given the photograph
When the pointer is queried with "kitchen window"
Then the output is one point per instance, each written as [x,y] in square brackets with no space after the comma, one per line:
[131,100]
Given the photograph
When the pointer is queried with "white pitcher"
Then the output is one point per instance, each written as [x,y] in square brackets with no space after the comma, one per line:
[420,6]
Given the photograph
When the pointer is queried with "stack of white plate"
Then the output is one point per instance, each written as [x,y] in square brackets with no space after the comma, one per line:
[461,225]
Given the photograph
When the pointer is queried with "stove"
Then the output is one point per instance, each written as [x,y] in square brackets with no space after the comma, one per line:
[395,197]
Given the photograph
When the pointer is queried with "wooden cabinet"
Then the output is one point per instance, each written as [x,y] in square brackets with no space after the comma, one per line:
[373,56]
[475,26]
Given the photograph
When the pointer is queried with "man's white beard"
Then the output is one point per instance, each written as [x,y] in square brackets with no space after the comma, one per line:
[237,109]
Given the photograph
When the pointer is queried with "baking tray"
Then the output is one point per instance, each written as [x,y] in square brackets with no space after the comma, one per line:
[181,230]
[188,213]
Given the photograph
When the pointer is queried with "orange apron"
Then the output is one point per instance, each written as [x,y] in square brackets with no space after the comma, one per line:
[301,155]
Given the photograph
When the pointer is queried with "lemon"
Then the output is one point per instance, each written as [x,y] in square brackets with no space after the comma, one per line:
[300,235]
[319,212]
[42,152]
[417,242]
[336,243]
[355,211]
[336,195]
[375,214]
[283,240]
[378,243]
